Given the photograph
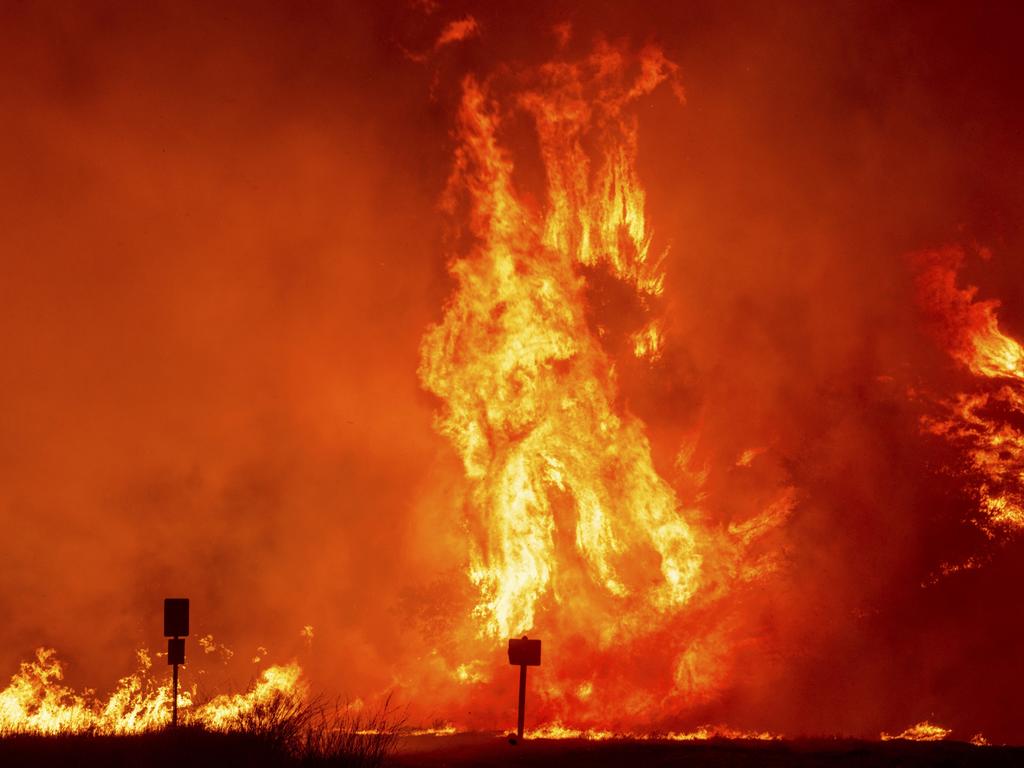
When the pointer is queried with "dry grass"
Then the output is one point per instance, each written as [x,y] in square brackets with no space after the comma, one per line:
[311,733]
[342,737]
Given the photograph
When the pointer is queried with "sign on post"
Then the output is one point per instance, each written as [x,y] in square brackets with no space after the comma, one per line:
[176,650]
[175,630]
[523,653]
[176,617]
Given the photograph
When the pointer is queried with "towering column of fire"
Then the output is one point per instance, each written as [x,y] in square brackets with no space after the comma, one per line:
[528,392]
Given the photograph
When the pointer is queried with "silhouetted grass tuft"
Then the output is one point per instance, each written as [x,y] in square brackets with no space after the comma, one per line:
[312,733]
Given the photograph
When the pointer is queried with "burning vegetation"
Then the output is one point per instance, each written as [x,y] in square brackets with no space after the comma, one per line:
[984,424]
[37,701]
[572,526]
[275,722]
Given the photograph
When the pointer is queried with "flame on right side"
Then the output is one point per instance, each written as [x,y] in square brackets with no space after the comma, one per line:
[985,424]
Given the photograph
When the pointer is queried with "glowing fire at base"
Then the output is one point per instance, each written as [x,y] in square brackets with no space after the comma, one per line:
[923,731]
[37,701]
[704,733]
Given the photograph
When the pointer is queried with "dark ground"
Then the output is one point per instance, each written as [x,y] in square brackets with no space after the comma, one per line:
[184,749]
[483,750]
[198,750]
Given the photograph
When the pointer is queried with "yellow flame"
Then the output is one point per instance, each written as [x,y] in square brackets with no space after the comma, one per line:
[994,353]
[556,730]
[471,673]
[37,701]
[993,448]
[746,458]
[443,730]
[529,393]
[222,712]
[924,731]
[559,731]
[648,342]
[985,423]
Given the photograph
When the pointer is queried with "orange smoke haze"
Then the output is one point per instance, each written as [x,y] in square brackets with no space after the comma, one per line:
[229,245]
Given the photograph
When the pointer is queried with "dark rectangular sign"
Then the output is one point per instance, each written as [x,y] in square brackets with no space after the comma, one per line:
[524,652]
[176,650]
[176,617]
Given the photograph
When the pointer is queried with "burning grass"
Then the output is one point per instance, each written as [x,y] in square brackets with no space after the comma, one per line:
[281,729]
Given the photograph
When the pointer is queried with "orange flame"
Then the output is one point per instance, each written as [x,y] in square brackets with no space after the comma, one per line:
[528,389]
[984,423]
[923,731]
[572,527]
[704,733]
[37,701]
[969,328]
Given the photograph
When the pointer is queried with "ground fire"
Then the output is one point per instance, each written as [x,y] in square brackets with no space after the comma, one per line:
[37,701]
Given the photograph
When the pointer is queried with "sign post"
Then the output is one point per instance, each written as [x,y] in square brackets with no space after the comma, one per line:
[523,653]
[176,630]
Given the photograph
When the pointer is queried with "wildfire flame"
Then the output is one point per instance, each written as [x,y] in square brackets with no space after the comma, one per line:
[983,423]
[572,527]
[529,391]
[37,701]
[704,733]
[923,731]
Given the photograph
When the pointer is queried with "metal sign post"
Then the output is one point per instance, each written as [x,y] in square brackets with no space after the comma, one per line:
[176,630]
[524,653]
